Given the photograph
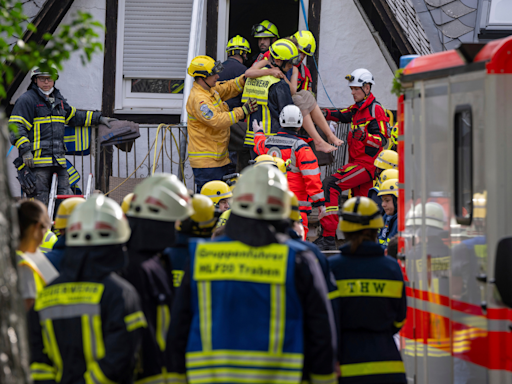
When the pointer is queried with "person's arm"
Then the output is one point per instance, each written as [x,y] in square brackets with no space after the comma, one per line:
[42,370]
[308,165]
[401,308]
[206,113]
[338,115]
[76,118]
[292,83]
[230,88]
[258,70]
[259,139]
[22,119]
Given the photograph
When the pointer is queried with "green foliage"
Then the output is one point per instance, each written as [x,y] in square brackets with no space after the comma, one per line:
[397,88]
[80,35]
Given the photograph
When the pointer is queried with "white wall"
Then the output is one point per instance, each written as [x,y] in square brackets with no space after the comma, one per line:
[347,44]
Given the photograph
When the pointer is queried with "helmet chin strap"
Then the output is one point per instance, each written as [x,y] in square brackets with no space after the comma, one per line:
[279,66]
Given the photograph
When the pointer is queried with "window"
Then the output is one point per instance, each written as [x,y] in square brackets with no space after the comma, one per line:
[495,19]
[152,49]
[501,12]
[463,164]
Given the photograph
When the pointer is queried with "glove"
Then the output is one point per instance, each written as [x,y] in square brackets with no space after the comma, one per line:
[250,106]
[106,121]
[256,127]
[26,177]
[28,159]
[359,134]
[321,212]
[324,111]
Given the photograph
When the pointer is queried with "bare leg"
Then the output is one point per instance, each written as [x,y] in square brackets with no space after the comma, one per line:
[320,144]
[319,119]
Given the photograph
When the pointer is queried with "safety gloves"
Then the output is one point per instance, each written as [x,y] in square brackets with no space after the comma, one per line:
[257,126]
[26,177]
[250,106]
[106,121]
[359,134]
[28,159]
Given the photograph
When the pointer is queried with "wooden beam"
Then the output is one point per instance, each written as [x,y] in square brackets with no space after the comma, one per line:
[46,21]
[315,9]
[212,21]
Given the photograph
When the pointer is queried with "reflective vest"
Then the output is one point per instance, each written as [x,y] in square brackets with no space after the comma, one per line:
[43,272]
[77,140]
[258,89]
[74,176]
[49,240]
[225,274]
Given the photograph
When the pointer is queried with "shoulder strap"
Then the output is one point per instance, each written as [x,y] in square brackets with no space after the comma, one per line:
[372,109]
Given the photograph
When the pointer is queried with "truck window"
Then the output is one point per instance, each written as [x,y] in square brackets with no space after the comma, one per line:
[463,142]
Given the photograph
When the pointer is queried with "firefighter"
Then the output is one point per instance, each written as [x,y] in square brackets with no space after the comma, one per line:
[49,241]
[158,202]
[304,175]
[209,119]
[387,160]
[266,34]
[366,139]
[389,194]
[229,322]
[394,138]
[372,301]
[199,225]
[86,325]
[34,269]
[219,192]
[40,115]
[66,208]
[271,93]
[237,49]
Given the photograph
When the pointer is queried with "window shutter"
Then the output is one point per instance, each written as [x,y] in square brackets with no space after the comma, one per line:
[156,38]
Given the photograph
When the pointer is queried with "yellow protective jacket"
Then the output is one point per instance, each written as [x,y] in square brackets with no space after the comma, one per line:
[209,120]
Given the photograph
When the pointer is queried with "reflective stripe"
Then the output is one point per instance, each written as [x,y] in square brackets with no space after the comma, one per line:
[62,217]
[94,349]
[310,172]
[373,368]
[88,119]
[163,319]
[387,191]
[20,141]
[323,379]
[66,294]
[380,159]
[45,250]
[277,318]
[238,85]
[39,279]
[190,117]
[42,160]
[227,194]
[48,237]
[318,196]
[351,175]
[21,167]
[244,358]
[333,295]
[51,347]
[370,287]
[41,371]
[176,378]
[304,204]
[95,375]
[208,154]
[37,144]
[135,320]
[205,314]
[239,375]
[372,143]
[399,324]
[20,119]
[232,117]
[157,379]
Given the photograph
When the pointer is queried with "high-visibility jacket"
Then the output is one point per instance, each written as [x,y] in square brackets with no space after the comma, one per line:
[372,308]
[85,325]
[304,174]
[371,117]
[40,125]
[209,120]
[42,270]
[272,95]
[229,338]
[390,229]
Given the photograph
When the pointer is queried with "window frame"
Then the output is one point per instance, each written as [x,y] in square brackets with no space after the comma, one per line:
[490,30]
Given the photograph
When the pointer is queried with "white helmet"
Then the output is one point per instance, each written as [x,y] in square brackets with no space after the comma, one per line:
[291,116]
[161,197]
[360,77]
[97,221]
[262,193]
[37,72]
[434,215]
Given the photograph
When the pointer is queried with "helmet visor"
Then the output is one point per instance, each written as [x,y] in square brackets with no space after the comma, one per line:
[258,29]
[295,60]
[217,68]
[306,49]
[349,78]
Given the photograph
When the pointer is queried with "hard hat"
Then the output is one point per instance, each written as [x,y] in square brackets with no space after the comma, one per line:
[265,29]
[37,72]
[409,218]
[291,116]
[238,43]
[272,161]
[360,77]
[216,190]
[479,205]
[65,209]
[391,117]
[360,213]
[294,214]
[223,219]
[434,215]
[262,193]
[125,205]
[204,211]
[389,187]
[387,159]
[48,241]
[387,174]
[98,221]
[285,50]
[306,42]
[204,66]
[161,197]
[394,134]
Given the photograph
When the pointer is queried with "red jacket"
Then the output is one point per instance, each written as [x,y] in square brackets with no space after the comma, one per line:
[304,174]
[304,79]
[376,128]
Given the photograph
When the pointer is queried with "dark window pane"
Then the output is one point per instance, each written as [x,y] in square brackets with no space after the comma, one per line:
[463,164]
[157,86]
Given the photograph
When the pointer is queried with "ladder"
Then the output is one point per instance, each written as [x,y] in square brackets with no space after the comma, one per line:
[54,197]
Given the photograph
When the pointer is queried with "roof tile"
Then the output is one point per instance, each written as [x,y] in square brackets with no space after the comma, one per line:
[455,29]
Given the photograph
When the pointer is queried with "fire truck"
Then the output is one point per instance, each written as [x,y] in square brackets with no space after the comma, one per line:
[455,214]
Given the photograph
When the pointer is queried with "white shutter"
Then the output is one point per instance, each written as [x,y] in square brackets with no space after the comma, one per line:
[156,38]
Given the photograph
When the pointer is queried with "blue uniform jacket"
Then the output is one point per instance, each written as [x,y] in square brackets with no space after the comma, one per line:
[373,308]
[232,69]
[390,229]
[178,256]
[57,253]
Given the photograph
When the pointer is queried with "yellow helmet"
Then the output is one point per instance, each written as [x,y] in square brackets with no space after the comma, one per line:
[223,219]
[272,160]
[394,134]
[294,214]
[204,66]
[391,117]
[387,159]
[204,211]
[389,187]
[265,29]
[360,213]
[65,209]
[306,42]
[387,174]
[49,239]
[125,205]
[285,50]
[216,190]
[238,43]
